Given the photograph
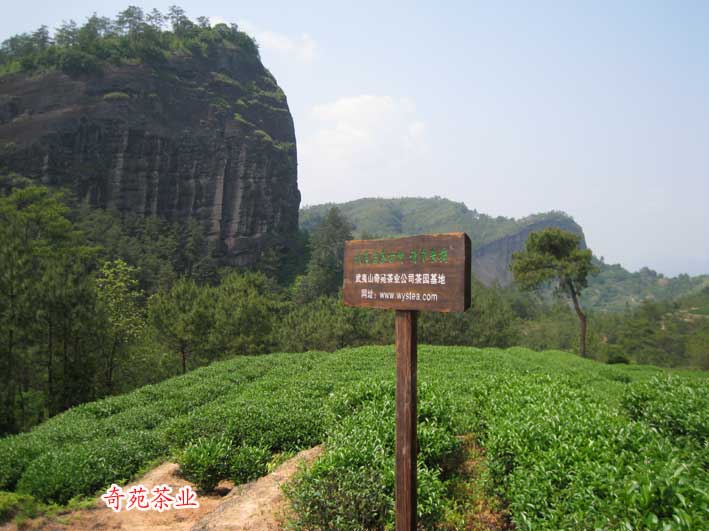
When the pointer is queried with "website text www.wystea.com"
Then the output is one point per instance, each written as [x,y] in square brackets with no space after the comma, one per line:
[399,296]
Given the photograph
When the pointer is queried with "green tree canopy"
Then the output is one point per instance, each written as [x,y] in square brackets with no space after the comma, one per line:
[182,318]
[120,297]
[327,244]
[553,255]
[244,311]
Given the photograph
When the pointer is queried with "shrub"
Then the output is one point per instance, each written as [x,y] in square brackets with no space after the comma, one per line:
[352,485]
[75,63]
[205,462]
[616,359]
[82,469]
[16,453]
[248,463]
[671,405]
[17,505]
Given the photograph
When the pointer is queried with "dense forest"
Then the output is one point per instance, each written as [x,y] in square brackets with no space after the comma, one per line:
[96,303]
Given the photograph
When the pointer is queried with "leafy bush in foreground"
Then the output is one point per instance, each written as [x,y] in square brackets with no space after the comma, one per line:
[564,460]
[352,486]
[59,475]
[13,505]
[205,462]
[248,462]
[672,406]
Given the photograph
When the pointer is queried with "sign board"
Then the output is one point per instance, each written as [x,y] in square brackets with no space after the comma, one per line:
[429,272]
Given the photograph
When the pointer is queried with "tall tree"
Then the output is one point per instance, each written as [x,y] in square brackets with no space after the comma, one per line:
[120,298]
[553,255]
[244,307]
[48,324]
[181,317]
[327,252]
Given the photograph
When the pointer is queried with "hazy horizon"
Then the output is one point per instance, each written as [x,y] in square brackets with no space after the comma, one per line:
[597,109]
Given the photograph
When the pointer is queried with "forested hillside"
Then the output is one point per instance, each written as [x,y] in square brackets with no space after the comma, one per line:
[96,302]
[612,289]
[415,215]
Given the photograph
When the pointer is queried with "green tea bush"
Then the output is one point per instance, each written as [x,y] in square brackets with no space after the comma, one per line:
[352,486]
[17,505]
[248,463]
[63,473]
[565,461]
[671,405]
[207,421]
[205,462]
[280,423]
[16,453]
[569,443]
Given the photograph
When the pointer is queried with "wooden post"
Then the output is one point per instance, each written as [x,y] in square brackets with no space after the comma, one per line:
[429,272]
[406,444]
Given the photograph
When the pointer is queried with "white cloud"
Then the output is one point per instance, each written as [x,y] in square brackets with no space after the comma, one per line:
[302,48]
[360,146]
[217,20]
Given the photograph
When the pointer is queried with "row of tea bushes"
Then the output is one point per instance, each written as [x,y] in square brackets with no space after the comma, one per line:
[570,443]
[352,486]
[93,445]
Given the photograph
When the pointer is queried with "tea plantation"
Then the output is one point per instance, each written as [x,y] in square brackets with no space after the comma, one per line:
[569,443]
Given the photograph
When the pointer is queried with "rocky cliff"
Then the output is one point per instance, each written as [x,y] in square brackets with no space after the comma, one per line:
[209,138]
[491,261]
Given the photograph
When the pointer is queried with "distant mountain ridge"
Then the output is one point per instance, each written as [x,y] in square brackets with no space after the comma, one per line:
[494,239]
[416,215]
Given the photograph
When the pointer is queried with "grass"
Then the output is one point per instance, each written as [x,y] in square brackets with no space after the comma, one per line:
[568,443]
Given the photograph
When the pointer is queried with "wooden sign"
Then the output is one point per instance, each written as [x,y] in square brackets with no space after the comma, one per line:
[429,273]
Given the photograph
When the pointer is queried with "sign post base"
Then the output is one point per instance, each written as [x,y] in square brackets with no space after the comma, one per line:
[406,416]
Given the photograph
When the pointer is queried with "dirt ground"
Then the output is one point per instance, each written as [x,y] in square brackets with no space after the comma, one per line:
[255,506]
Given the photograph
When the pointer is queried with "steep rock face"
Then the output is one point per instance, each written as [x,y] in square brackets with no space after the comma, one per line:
[209,138]
[491,261]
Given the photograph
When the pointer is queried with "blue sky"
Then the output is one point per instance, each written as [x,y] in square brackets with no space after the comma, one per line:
[600,109]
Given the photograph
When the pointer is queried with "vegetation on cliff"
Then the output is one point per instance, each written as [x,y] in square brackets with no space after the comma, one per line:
[133,36]
[156,116]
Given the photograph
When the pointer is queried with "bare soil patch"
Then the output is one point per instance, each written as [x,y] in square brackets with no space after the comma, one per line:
[255,506]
